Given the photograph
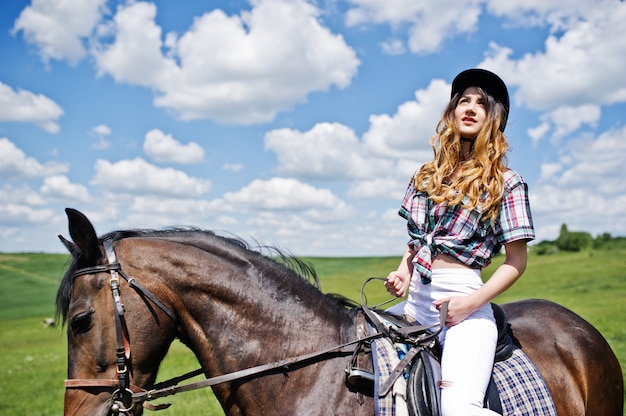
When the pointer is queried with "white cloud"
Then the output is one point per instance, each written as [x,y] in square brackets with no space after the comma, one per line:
[157,211]
[10,233]
[563,121]
[280,211]
[597,163]
[27,107]
[388,188]
[57,27]
[138,177]
[582,64]
[549,170]
[100,132]
[373,233]
[569,119]
[327,151]
[586,189]
[59,188]
[238,69]
[172,207]
[429,23]
[389,152]
[163,147]
[282,194]
[393,47]
[15,164]
[135,55]
[15,214]
[539,132]
[233,167]
[406,133]
[20,196]
[543,12]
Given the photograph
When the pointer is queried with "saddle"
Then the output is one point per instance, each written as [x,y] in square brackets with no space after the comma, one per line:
[423,365]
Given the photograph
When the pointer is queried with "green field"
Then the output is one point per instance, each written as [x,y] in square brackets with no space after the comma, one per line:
[33,357]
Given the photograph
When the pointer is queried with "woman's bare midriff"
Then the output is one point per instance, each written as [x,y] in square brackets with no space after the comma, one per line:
[443,261]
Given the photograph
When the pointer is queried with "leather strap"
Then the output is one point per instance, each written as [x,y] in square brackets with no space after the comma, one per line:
[284,364]
[132,282]
[85,383]
[361,332]
[406,360]
[417,345]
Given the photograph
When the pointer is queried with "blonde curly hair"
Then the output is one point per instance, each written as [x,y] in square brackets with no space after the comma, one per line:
[449,178]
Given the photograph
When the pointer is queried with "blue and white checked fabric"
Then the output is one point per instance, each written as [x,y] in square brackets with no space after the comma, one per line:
[385,356]
[523,392]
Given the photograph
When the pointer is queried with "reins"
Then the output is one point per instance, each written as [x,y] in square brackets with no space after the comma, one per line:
[126,396]
[237,375]
[170,387]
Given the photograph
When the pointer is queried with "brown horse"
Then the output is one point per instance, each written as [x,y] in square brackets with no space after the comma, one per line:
[236,309]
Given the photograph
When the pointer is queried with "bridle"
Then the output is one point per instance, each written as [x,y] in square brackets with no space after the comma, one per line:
[125,396]
[123,392]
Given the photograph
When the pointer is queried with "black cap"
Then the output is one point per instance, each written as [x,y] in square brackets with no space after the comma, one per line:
[486,80]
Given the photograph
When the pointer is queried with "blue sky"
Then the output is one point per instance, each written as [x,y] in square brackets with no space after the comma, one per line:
[295,123]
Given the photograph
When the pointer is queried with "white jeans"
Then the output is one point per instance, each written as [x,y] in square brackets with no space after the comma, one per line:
[468,347]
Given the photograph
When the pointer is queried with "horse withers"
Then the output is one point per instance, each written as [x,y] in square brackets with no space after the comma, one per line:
[127,295]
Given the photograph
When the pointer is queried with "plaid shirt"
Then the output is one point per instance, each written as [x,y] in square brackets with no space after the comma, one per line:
[460,233]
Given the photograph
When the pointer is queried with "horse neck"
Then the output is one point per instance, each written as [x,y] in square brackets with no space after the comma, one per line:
[264,317]
[239,309]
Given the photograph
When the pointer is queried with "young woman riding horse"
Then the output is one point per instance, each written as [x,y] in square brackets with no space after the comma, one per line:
[237,309]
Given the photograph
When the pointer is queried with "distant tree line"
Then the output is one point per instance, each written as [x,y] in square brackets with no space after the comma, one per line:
[579,240]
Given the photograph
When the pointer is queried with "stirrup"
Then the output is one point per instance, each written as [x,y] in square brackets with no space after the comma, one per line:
[360,380]
[357,374]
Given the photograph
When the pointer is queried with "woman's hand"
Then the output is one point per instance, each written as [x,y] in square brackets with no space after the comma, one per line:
[459,308]
[397,283]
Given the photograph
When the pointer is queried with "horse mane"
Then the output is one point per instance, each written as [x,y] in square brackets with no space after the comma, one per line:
[278,260]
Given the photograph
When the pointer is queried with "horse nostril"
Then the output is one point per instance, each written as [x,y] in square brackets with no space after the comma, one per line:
[101,368]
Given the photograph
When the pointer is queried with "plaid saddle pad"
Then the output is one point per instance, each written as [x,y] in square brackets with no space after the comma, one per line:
[523,392]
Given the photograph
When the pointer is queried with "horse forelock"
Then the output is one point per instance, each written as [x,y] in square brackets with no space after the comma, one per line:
[283,263]
[65,290]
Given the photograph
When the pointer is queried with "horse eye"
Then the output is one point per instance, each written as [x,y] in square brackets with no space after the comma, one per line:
[82,322]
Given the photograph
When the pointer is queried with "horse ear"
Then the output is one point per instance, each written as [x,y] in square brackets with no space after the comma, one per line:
[71,247]
[84,236]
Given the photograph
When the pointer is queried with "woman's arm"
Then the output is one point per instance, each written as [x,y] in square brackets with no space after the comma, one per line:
[507,274]
[460,307]
[398,281]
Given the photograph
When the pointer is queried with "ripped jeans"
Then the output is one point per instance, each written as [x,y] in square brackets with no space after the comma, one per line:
[468,347]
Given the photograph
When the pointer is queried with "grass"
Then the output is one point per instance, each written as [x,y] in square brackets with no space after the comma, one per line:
[28,284]
[33,358]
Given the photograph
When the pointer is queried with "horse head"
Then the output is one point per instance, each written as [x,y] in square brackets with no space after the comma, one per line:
[116,335]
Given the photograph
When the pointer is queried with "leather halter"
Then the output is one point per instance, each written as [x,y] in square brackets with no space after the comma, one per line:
[122,396]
